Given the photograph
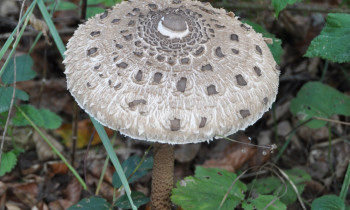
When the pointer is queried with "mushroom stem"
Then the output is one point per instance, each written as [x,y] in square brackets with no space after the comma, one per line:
[162,177]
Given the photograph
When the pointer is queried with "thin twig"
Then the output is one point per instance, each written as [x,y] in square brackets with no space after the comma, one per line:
[14,84]
[333,142]
[104,168]
[140,163]
[331,120]
[83,10]
[230,188]
[43,79]
[74,130]
[86,154]
[293,186]
[271,147]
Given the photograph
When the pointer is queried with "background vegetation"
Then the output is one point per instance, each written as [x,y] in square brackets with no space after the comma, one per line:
[51,156]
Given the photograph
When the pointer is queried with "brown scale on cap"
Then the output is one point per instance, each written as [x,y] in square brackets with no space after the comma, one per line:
[219,53]
[181,84]
[207,67]
[95,33]
[91,51]
[203,122]
[257,71]
[210,47]
[212,90]
[157,77]
[138,76]
[240,80]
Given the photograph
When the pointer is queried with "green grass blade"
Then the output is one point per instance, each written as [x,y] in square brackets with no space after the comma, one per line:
[285,145]
[56,37]
[11,39]
[16,42]
[346,184]
[109,148]
[64,160]
[41,33]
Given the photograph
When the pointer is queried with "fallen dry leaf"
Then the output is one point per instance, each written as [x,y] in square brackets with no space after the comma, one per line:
[33,169]
[95,167]
[85,130]
[41,206]
[56,167]
[56,205]
[106,190]
[13,206]
[234,156]
[25,193]
[3,189]
[72,193]
[43,150]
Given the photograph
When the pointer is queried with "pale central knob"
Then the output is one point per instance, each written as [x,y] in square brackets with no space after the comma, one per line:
[173,26]
[174,22]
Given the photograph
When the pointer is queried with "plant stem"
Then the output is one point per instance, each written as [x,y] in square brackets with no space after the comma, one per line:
[83,10]
[102,175]
[74,130]
[140,163]
[324,71]
[346,184]
[163,176]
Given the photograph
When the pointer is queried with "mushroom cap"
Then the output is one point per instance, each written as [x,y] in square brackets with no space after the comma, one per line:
[171,71]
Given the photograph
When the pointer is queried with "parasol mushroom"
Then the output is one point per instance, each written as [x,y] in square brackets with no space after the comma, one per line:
[170,72]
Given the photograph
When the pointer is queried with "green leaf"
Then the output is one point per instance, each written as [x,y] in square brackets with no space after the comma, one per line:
[129,166]
[334,41]
[92,2]
[268,202]
[265,185]
[273,185]
[207,189]
[279,5]
[110,3]
[63,5]
[3,118]
[328,202]
[6,96]
[92,11]
[317,99]
[138,198]
[41,117]
[8,162]
[275,47]
[23,70]
[91,203]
